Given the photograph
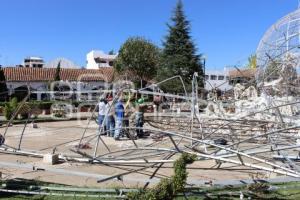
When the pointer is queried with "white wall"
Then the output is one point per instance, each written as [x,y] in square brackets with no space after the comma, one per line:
[91,63]
[43,86]
[220,84]
[90,59]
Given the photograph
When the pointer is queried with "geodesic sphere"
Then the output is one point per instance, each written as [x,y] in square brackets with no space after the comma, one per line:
[278,48]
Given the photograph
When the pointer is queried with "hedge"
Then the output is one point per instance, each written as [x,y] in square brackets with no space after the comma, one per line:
[43,105]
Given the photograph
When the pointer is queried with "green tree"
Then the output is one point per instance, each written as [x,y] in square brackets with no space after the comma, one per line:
[111,52]
[179,55]
[139,57]
[3,86]
[57,72]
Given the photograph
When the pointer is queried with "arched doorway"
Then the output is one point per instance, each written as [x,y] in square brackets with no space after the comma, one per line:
[20,92]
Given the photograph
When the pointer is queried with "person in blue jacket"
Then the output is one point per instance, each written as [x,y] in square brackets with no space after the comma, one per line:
[119,114]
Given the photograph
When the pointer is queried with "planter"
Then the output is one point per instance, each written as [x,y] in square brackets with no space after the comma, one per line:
[46,112]
[84,109]
[1,110]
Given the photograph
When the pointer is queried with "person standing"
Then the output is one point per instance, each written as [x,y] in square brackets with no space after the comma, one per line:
[2,139]
[139,117]
[110,122]
[101,116]
[119,112]
[156,102]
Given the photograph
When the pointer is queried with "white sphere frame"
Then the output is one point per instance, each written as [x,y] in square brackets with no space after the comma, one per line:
[281,41]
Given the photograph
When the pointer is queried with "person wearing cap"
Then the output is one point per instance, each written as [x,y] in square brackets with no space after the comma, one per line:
[110,119]
[139,117]
[119,112]
[101,115]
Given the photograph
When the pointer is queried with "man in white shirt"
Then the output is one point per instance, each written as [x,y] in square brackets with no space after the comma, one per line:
[110,119]
[101,115]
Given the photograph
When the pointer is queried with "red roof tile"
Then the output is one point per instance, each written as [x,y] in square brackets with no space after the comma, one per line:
[48,74]
[249,73]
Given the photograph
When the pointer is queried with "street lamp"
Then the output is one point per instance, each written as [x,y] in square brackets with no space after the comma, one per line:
[203,62]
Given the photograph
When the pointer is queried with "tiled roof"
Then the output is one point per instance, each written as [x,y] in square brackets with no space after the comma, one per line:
[48,74]
[250,73]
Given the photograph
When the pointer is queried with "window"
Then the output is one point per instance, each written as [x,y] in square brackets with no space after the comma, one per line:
[213,77]
[99,60]
[227,78]
[206,77]
[221,78]
[111,63]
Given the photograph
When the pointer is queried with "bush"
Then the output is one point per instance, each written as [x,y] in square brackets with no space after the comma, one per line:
[8,111]
[43,105]
[35,107]
[2,103]
[163,191]
[24,111]
[14,103]
[76,103]
[10,107]
[258,188]
[59,114]
[180,176]
[166,189]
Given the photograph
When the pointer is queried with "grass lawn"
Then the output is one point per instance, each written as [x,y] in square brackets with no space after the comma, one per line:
[277,191]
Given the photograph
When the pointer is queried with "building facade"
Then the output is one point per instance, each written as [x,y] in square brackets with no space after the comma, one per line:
[242,76]
[217,80]
[33,62]
[20,80]
[98,59]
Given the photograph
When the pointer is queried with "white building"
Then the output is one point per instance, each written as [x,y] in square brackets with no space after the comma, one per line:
[217,79]
[34,62]
[97,59]
[20,79]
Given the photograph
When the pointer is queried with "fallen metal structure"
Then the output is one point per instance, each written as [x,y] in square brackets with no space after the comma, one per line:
[257,130]
[261,133]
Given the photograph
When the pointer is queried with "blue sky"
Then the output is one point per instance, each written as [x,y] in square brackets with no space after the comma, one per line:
[226,31]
